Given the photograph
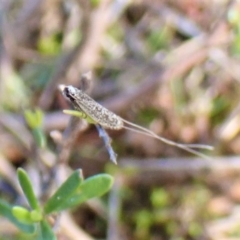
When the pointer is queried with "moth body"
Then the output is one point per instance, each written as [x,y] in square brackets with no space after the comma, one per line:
[81,101]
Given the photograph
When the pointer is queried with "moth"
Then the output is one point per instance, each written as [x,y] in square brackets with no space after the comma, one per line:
[101,116]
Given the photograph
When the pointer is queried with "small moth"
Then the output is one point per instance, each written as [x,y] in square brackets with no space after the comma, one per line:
[81,101]
[105,118]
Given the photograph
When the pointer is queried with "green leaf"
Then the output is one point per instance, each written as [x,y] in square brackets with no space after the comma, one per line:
[160,198]
[36,215]
[29,118]
[39,137]
[15,93]
[144,220]
[6,211]
[39,117]
[27,188]
[80,115]
[94,186]
[22,214]
[49,45]
[64,192]
[97,185]
[46,232]
[34,119]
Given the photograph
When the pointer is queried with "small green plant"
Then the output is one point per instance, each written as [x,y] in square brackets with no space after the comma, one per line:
[76,190]
[34,120]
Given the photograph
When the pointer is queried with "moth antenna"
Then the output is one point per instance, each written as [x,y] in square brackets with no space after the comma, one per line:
[186,147]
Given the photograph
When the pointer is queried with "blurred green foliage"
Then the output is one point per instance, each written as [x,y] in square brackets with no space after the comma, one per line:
[234,20]
[50,45]
[158,40]
[34,120]
[14,93]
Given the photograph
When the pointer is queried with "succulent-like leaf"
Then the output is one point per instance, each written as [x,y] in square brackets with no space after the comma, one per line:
[34,119]
[22,214]
[39,137]
[6,211]
[27,188]
[64,192]
[46,232]
[36,215]
[92,187]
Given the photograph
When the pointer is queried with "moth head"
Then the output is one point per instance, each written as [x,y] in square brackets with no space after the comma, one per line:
[69,92]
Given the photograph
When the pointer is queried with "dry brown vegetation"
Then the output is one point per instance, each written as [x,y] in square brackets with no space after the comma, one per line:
[171,66]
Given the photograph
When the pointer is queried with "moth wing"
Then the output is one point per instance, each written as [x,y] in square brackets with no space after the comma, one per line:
[100,114]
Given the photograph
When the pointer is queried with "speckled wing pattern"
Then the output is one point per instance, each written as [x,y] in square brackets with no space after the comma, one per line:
[81,101]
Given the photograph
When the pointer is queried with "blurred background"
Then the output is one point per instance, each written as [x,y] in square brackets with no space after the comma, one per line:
[170,66]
